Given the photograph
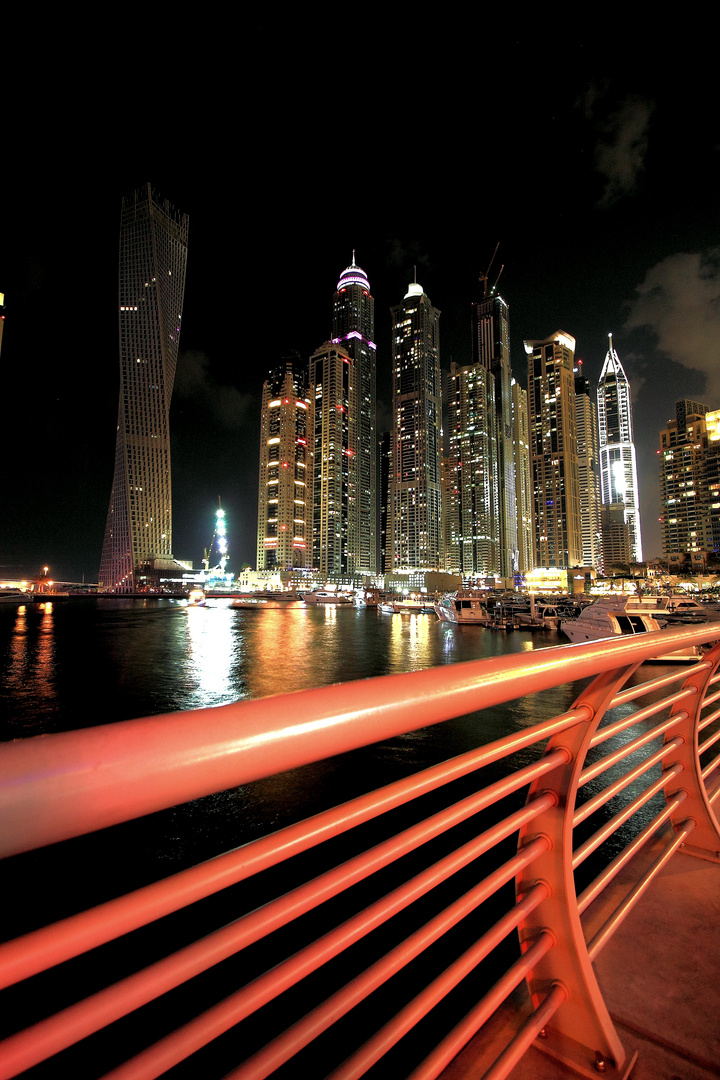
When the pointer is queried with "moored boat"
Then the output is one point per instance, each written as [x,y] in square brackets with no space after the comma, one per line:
[463,607]
[610,616]
[324,596]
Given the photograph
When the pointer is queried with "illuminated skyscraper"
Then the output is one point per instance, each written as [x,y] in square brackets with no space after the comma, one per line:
[286,475]
[690,483]
[553,451]
[353,327]
[523,477]
[153,256]
[491,350]
[588,472]
[472,490]
[618,468]
[415,481]
[334,447]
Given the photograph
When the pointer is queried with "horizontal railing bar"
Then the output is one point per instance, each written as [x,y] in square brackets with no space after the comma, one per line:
[527,1034]
[461,1034]
[623,909]
[57,1032]
[709,769]
[714,795]
[609,827]
[710,699]
[707,720]
[710,741]
[714,678]
[195,1034]
[299,1035]
[595,888]
[607,793]
[630,693]
[44,948]
[605,763]
[605,733]
[53,787]
[427,999]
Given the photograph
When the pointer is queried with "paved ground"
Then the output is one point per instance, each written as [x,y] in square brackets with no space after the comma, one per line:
[660,977]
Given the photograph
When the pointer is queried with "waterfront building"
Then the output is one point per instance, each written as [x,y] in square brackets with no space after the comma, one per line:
[618,467]
[491,351]
[153,256]
[385,458]
[285,496]
[553,451]
[616,538]
[472,489]
[690,484]
[415,482]
[588,471]
[523,477]
[353,327]
[332,388]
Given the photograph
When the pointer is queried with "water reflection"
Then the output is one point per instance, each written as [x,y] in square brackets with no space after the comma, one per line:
[30,668]
[210,652]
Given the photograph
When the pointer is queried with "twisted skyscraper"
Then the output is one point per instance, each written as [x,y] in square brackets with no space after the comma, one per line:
[618,467]
[153,256]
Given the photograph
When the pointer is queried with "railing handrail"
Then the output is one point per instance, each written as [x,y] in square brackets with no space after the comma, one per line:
[60,786]
[54,787]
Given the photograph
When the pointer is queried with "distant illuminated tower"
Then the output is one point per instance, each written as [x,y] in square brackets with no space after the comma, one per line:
[472,490]
[553,451]
[690,484]
[523,477]
[588,471]
[2,317]
[286,479]
[353,327]
[415,479]
[334,446]
[491,350]
[153,255]
[618,468]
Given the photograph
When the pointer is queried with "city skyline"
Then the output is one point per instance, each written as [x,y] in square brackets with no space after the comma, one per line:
[629,247]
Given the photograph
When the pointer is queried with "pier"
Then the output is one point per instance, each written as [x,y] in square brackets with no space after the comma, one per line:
[544,905]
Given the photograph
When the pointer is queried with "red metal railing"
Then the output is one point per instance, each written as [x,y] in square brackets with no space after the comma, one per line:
[417,906]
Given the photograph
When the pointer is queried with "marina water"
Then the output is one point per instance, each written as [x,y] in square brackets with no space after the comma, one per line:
[81,663]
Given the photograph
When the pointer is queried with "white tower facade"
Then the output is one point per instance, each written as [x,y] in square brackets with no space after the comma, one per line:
[618,465]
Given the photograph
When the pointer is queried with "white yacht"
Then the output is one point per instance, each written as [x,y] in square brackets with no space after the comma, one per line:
[463,607]
[613,615]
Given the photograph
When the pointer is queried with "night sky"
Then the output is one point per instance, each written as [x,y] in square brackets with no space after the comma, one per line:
[596,169]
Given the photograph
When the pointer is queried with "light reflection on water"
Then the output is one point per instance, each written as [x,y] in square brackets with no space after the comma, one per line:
[67,665]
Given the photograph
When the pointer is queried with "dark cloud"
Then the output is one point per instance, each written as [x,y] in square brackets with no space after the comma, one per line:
[622,143]
[679,302]
[194,382]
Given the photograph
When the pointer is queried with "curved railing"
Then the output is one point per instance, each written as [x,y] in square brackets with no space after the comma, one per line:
[402,920]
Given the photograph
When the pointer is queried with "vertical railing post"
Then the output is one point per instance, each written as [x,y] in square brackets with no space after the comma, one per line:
[581,1033]
[706,833]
